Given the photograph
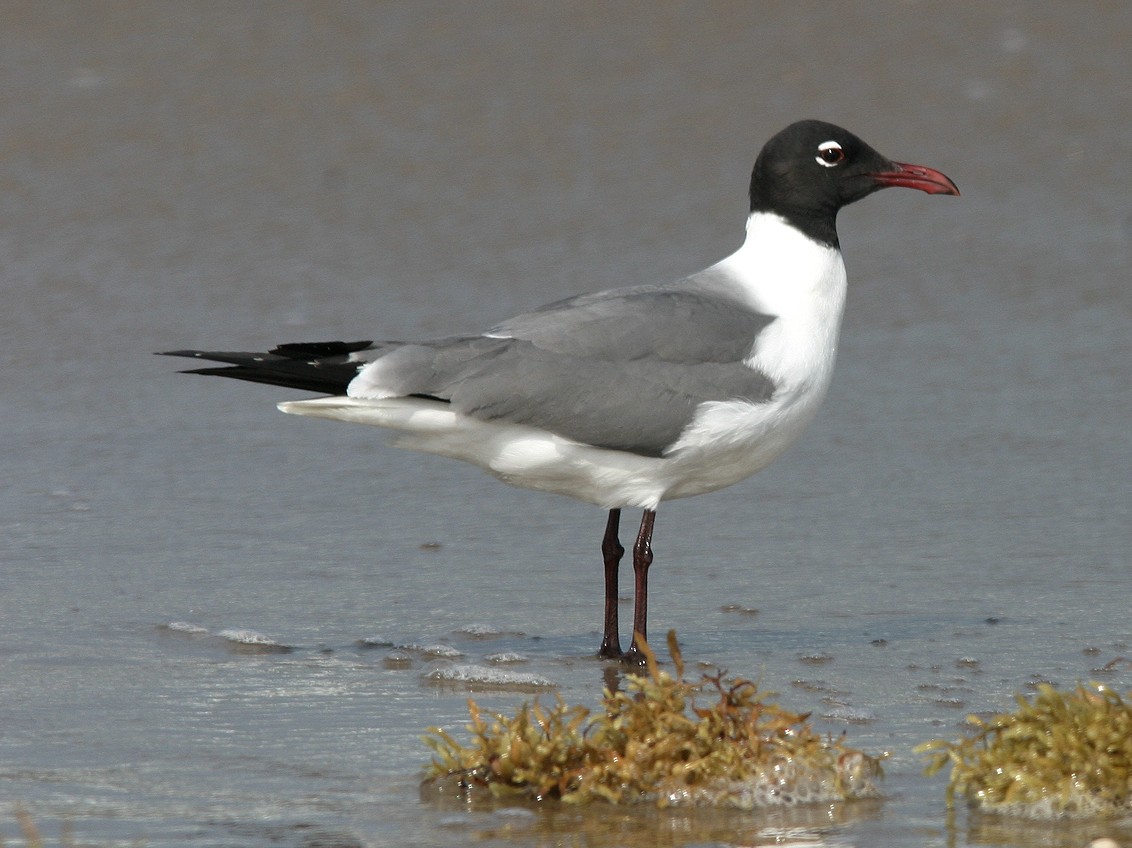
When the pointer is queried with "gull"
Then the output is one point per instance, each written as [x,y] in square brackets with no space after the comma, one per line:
[634,396]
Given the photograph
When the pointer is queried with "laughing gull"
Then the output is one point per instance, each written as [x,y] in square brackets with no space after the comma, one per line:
[629,397]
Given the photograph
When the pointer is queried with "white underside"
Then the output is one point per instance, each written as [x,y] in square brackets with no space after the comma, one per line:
[534,459]
[778,271]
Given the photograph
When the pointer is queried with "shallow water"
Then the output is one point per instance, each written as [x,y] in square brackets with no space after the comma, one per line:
[953,529]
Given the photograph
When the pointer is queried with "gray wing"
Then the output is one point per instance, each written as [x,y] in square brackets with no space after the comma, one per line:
[661,322]
[621,370]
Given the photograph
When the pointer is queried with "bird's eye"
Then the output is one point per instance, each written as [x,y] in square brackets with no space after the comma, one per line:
[830,153]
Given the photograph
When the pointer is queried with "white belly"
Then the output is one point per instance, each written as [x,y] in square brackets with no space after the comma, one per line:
[728,442]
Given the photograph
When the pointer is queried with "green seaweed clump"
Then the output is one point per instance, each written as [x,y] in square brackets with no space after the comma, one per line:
[652,743]
[1062,755]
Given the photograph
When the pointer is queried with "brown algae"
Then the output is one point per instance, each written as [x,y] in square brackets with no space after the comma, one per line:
[653,743]
[1061,755]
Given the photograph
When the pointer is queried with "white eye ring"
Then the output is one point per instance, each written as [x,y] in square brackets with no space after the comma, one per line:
[829,154]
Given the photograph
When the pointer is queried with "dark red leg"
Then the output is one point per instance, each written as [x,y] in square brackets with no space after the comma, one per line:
[642,559]
[611,552]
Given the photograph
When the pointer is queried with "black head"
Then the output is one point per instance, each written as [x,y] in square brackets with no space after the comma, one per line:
[811,169]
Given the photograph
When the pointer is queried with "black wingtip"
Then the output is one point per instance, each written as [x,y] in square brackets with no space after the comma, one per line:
[304,349]
[218,371]
[323,367]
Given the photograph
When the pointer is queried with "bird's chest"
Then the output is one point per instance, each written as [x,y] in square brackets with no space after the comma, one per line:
[798,348]
[730,440]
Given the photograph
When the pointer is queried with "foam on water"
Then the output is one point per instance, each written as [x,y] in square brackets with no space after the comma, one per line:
[482,676]
[789,783]
[446,652]
[505,658]
[186,627]
[251,639]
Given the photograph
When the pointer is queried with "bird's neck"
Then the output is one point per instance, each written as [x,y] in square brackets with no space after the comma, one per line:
[779,270]
[819,224]
[801,285]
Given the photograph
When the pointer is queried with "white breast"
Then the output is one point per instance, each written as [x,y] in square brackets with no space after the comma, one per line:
[801,283]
